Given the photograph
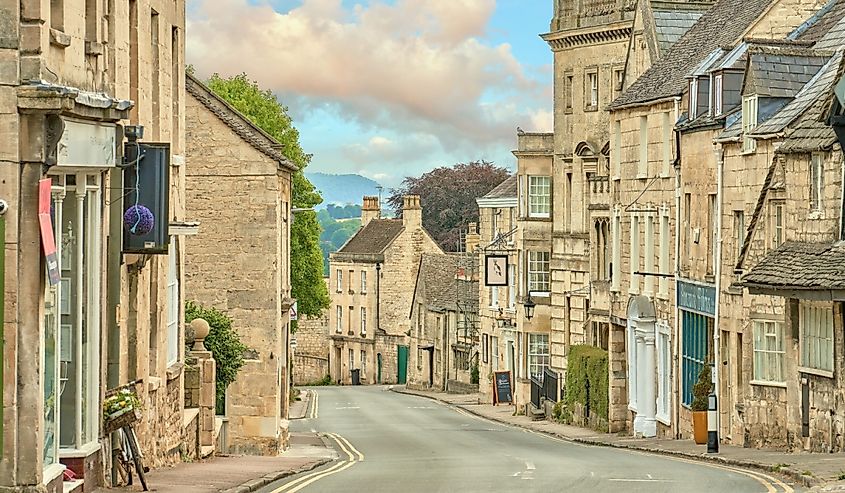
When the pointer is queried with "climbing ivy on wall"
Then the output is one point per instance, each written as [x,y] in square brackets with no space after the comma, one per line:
[587,363]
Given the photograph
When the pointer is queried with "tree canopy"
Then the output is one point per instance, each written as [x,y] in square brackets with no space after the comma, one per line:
[448,197]
[266,112]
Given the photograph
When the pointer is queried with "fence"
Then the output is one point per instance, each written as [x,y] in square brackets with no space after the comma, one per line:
[536,392]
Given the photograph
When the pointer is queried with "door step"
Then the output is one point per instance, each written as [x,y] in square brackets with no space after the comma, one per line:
[74,486]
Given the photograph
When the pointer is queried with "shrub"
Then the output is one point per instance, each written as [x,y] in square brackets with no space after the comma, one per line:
[223,342]
[587,363]
[473,376]
[701,389]
[326,380]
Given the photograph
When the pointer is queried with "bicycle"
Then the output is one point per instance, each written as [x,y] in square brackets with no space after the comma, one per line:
[127,455]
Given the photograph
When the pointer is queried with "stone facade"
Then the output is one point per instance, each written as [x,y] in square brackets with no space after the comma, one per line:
[67,86]
[371,282]
[239,189]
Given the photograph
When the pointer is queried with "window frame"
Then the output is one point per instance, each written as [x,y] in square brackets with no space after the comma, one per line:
[805,364]
[758,375]
[591,89]
[816,177]
[538,359]
[363,282]
[776,223]
[173,304]
[339,280]
[663,347]
[539,204]
[533,260]
[339,319]
[717,94]
[363,321]
[749,122]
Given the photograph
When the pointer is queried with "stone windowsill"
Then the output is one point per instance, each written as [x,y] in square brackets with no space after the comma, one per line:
[81,452]
[153,383]
[761,383]
[174,370]
[59,38]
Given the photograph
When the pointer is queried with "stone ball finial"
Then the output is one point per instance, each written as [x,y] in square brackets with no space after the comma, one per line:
[201,329]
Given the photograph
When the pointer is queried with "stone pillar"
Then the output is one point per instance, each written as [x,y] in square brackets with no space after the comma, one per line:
[648,407]
[207,378]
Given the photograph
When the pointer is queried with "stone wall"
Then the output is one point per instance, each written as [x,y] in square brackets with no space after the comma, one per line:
[311,356]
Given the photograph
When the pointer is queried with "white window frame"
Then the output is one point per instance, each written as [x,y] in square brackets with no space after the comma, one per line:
[615,274]
[749,122]
[772,333]
[539,196]
[539,280]
[816,339]
[512,287]
[494,297]
[539,354]
[616,149]
[85,262]
[363,321]
[339,278]
[363,282]
[717,95]
[339,319]
[648,259]
[665,241]
[522,196]
[634,288]
[593,88]
[666,143]
[739,232]
[363,363]
[173,304]
[816,182]
[494,344]
[693,98]
[663,344]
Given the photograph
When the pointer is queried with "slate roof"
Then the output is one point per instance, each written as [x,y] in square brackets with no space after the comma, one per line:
[823,21]
[818,87]
[506,189]
[722,25]
[804,266]
[444,288]
[781,72]
[234,119]
[373,238]
[834,39]
[670,25]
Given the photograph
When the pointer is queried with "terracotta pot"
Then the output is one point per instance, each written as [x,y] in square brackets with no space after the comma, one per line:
[699,427]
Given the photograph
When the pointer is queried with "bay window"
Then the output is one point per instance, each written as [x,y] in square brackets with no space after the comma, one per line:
[816,337]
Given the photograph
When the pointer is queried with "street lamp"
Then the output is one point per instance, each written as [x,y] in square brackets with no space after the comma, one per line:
[529,307]
[502,321]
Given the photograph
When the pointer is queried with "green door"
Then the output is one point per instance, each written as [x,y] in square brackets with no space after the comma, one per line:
[402,370]
[378,359]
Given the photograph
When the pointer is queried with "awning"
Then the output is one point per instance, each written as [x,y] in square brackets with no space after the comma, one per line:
[800,270]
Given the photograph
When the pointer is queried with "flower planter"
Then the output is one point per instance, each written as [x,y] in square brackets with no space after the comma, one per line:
[124,417]
[699,427]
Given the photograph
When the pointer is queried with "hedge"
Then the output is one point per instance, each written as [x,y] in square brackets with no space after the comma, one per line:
[587,363]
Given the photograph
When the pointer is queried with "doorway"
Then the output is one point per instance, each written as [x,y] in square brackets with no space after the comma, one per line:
[378,364]
[402,370]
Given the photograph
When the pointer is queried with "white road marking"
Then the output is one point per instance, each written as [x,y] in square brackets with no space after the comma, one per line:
[641,480]
[315,401]
[530,466]
[351,452]
[649,476]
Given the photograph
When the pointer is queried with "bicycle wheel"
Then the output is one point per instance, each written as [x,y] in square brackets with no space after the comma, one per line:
[122,469]
[136,455]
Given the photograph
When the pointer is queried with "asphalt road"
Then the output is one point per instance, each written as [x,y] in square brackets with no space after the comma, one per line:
[390,442]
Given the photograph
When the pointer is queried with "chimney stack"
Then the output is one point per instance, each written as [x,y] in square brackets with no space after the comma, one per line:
[411,211]
[371,210]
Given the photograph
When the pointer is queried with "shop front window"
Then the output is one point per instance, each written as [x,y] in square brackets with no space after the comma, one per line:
[72,316]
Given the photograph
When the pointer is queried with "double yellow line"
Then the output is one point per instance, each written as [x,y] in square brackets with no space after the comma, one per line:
[354,456]
[315,403]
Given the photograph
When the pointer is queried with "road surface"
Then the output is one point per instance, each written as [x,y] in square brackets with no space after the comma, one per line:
[391,442]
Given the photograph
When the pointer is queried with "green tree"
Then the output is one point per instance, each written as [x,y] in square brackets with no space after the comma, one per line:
[306,259]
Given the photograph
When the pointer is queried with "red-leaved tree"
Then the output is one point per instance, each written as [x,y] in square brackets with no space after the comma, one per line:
[447,196]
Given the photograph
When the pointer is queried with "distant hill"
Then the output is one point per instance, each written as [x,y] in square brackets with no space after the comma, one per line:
[343,189]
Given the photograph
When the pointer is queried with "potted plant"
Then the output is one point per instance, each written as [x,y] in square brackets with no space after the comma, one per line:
[700,393]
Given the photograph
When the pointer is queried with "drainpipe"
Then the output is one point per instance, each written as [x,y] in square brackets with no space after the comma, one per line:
[720,168]
[677,271]
[378,297]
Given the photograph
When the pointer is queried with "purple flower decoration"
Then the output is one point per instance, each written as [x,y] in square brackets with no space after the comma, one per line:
[138,220]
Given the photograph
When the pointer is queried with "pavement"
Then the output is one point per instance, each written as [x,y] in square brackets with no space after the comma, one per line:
[820,472]
[240,474]
[391,442]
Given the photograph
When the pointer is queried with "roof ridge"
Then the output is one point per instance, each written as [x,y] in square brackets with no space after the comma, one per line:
[244,127]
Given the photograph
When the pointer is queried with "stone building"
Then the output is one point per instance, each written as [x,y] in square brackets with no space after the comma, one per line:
[650,249]
[529,353]
[444,323]
[497,304]
[371,282]
[72,78]
[239,188]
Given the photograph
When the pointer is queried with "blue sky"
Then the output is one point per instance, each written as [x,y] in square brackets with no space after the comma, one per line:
[388,88]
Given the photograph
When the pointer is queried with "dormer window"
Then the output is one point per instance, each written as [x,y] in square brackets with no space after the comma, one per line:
[717,95]
[749,122]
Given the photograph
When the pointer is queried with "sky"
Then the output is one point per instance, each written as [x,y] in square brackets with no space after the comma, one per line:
[388,88]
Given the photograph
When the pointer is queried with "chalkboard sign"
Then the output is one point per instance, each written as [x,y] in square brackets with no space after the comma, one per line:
[502,392]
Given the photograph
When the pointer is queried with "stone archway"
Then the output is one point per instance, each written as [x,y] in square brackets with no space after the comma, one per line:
[642,396]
